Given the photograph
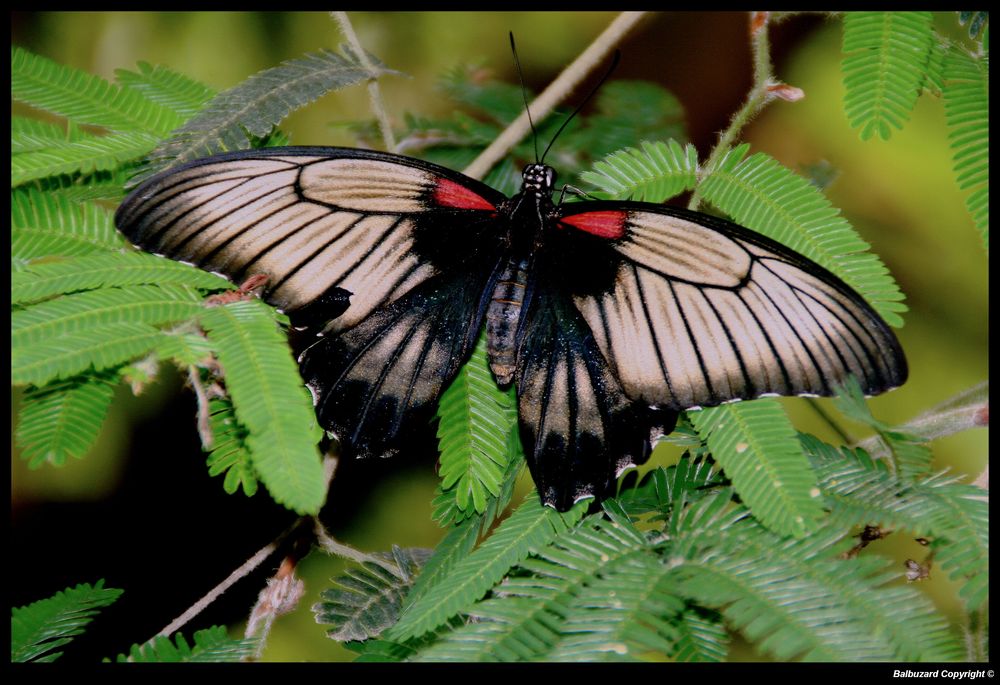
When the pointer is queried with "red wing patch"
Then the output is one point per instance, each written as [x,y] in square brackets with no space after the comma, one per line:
[606,224]
[450,194]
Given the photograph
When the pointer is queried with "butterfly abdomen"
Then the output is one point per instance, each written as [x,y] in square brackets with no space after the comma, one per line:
[502,319]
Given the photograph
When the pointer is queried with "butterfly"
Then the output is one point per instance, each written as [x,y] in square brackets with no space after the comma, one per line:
[609,317]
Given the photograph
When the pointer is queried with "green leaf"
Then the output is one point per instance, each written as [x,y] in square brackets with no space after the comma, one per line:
[456,545]
[89,154]
[29,135]
[367,599]
[210,646]
[797,598]
[529,527]
[84,98]
[48,624]
[885,57]
[763,195]
[79,352]
[270,402]
[475,419]
[701,636]
[93,309]
[62,419]
[40,281]
[628,610]
[967,111]
[180,94]
[523,619]
[229,452]
[46,224]
[757,447]
[654,173]
[257,105]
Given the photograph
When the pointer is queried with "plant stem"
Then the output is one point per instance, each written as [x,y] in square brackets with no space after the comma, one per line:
[557,91]
[757,98]
[374,93]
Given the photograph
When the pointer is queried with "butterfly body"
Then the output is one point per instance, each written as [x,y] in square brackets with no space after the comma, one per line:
[609,317]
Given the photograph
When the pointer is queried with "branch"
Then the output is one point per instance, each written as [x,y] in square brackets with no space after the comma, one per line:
[374,93]
[557,91]
[765,89]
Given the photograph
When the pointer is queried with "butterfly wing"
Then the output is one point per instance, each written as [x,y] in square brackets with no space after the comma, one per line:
[691,310]
[578,428]
[389,258]
[316,222]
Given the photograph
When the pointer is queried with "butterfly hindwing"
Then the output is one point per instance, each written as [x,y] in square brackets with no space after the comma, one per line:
[578,429]
[693,311]
[376,381]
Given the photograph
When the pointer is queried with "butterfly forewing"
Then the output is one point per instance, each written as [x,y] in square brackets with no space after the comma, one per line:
[313,220]
[698,311]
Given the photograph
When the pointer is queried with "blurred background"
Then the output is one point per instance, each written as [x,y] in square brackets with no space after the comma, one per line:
[141,511]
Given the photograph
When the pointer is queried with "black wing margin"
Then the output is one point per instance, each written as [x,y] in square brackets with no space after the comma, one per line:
[578,429]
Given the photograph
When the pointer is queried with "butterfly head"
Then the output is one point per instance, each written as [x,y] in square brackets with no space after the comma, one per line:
[538,180]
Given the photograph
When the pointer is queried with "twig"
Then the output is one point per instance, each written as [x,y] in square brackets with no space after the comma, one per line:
[244,569]
[557,91]
[330,545]
[204,423]
[764,90]
[374,93]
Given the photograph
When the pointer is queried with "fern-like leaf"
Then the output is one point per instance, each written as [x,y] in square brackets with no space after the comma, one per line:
[229,452]
[630,609]
[954,516]
[456,545]
[80,352]
[83,156]
[530,527]
[885,56]
[44,225]
[655,173]
[30,135]
[755,444]
[367,599]
[84,98]
[701,636]
[257,105]
[796,598]
[40,281]
[765,196]
[476,419]
[270,401]
[523,620]
[967,110]
[92,309]
[62,419]
[180,94]
[48,624]
[210,646]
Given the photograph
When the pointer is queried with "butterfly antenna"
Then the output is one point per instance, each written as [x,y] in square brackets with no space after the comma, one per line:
[614,64]
[524,93]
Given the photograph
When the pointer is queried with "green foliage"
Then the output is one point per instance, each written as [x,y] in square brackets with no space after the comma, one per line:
[62,419]
[886,54]
[476,420]
[270,402]
[756,446]
[229,452]
[48,624]
[183,96]
[255,107]
[367,599]
[967,108]
[912,456]
[654,173]
[528,528]
[211,645]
